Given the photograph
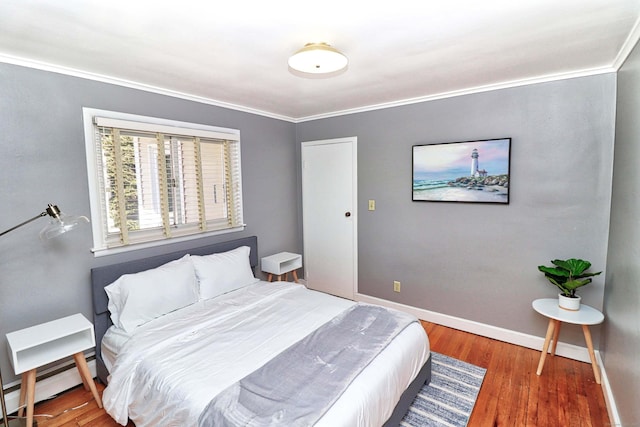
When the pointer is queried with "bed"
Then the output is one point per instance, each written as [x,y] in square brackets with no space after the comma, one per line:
[167,356]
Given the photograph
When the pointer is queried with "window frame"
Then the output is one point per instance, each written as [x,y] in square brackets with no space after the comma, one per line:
[154,124]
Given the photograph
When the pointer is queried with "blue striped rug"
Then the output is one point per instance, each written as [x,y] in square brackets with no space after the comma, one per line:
[450,396]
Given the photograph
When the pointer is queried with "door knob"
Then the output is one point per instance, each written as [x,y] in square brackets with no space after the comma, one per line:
[347,214]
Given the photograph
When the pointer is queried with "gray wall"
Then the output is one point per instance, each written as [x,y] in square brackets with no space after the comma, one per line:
[42,160]
[621,343]
[478,262]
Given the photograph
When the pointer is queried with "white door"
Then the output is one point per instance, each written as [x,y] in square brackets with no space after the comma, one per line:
[329,203]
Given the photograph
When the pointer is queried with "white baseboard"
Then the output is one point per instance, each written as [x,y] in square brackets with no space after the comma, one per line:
[50,386]
[518,338]
[612,409]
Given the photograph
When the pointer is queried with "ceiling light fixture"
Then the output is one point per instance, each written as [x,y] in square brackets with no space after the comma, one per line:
[318,58]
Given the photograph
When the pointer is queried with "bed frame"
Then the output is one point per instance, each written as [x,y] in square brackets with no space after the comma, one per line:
[104,276]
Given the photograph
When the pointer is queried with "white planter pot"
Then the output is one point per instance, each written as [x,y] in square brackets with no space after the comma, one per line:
[567,303]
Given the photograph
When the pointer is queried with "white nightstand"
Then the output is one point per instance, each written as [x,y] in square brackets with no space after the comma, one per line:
[282,263]
[33,347]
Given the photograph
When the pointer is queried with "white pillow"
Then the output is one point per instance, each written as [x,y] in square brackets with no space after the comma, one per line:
[223,272]
[137,298]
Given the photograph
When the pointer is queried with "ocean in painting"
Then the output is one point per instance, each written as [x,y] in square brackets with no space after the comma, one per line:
[435,186]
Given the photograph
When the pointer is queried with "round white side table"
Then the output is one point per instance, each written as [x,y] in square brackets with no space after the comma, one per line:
[586,316]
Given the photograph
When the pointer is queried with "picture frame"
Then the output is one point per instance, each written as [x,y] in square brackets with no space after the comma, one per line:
[465,171]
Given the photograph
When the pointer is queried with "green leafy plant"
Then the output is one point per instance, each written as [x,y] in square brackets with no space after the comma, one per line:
[568,275]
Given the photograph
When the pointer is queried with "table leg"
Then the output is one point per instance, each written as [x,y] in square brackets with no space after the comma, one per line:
[545,348]
[556,333]
[23,395]
[295,276]
[31,395]
[85,374]
[592,355]
[270,277]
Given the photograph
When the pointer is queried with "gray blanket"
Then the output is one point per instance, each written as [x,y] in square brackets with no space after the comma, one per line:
[300,384]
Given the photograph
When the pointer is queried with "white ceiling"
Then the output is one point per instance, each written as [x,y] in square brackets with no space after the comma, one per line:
[234,53]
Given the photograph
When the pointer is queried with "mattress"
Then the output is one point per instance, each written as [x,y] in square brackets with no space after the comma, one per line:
[168,370]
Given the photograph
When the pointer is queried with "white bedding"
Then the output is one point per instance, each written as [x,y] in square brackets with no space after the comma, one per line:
[170,368]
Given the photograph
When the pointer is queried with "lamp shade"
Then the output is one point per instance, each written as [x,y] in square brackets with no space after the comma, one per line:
[60,223]
[318,58]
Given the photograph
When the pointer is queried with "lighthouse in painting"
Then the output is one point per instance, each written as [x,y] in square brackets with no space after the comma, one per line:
[474,162]
[475,172]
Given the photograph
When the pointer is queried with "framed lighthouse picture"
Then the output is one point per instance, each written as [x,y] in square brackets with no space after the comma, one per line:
[467,171]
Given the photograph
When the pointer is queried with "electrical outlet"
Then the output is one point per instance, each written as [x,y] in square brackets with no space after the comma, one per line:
[396,286]
[372,205]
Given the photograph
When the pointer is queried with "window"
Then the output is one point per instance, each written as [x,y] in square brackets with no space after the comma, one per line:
[152,179]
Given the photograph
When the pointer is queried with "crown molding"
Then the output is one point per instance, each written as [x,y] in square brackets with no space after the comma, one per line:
[624,52]
[627,46]
[134,85]
[462,92]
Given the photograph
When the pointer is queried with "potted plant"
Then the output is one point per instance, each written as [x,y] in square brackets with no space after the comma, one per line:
[568,275]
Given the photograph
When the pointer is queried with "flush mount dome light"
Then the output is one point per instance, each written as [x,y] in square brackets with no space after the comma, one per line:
[318,58]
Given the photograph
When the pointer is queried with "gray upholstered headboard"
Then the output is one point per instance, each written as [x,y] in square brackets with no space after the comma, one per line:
[103,276]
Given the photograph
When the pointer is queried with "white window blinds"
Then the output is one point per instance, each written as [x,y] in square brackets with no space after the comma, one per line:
[158,180]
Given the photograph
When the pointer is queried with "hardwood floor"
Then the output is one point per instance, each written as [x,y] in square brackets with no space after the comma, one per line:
[566,393]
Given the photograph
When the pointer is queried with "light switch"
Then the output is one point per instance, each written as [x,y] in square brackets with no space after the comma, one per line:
[372,205]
